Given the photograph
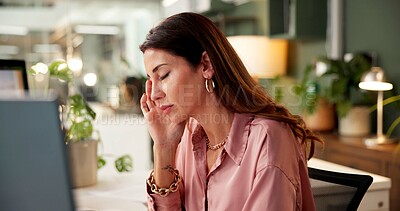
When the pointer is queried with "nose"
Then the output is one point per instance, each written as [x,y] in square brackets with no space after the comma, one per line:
[156,92]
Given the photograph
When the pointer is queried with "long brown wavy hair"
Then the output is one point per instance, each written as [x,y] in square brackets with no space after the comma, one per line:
[188,35]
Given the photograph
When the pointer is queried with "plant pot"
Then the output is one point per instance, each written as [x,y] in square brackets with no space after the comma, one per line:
[324,117]
[356,122]
[83,163]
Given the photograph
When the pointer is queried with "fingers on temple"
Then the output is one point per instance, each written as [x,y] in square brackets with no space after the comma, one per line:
[150,103]
[143,102]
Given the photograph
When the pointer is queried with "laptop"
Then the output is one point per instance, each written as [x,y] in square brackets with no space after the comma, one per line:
[34,173]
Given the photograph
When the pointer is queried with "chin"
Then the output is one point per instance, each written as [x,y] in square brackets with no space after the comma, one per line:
[178,118]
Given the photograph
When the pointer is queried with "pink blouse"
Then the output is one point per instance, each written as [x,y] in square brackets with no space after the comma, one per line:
[262,167]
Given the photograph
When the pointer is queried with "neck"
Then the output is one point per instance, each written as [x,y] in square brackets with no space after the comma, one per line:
[216,121]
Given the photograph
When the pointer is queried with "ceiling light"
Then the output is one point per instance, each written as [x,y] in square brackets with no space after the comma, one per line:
[90,79]
[95,29]
[13,30]
[46,48]
[167,3]
[9,49]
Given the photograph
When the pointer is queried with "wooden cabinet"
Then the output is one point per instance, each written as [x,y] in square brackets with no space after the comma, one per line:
[383,159]
[297,19]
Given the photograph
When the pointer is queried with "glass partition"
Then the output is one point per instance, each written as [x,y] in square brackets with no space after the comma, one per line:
[99,39]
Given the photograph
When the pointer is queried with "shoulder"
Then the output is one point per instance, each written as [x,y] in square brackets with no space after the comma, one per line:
[260,129]
[271,131]
[268,125]
[276,142]
[279,150]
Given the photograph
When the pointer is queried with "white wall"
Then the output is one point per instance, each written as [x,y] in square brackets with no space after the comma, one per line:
[123,134]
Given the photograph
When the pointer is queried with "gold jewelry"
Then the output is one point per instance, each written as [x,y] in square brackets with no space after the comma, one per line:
[212,85]
[217,146]
[164,191]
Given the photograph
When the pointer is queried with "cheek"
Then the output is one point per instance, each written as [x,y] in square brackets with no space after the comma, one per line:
[186,89]
[189,95]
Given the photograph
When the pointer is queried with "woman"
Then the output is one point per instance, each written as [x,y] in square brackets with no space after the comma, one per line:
[220,142]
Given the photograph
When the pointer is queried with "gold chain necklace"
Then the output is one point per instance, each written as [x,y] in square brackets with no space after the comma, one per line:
[217,146]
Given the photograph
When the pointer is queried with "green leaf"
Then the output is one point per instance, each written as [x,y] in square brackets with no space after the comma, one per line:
[101,162]
[81,130]
[53,67]
[31,71]
[80,115]
[392,126]
[311,97]
[90,111]
[124,163]
[278,94]
[64,73]
[386,102]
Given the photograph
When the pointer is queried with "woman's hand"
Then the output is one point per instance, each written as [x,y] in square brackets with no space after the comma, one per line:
[163,131]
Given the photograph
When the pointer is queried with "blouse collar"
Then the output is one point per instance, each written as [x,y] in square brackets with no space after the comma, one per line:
[237,139]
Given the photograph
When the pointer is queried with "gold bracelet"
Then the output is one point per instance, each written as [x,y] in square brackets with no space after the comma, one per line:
[164,191]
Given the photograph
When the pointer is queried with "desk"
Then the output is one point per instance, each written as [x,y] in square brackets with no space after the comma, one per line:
[126,192]
[351,151]
[114,192]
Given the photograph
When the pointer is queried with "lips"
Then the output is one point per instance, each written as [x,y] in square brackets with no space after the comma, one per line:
[166,108]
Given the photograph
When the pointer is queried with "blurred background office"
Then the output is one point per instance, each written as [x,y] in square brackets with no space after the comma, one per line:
[100,38]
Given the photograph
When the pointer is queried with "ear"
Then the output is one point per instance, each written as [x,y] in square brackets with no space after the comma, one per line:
[206,66]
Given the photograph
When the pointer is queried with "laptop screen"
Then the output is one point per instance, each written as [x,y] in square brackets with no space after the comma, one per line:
[34,172]
[13,75]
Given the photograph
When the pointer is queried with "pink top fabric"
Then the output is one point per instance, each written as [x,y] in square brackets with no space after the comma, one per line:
[262,167]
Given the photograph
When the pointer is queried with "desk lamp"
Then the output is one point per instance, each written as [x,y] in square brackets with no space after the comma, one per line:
[374,80]
[263,57]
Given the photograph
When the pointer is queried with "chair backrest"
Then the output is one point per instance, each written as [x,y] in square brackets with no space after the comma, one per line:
[338,191]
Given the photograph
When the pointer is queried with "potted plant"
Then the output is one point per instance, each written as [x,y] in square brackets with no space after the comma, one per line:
[330,87]
[314,89]
[80,137]
[81,144]
[353,108]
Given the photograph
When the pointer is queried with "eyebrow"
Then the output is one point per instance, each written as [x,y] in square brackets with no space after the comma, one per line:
[156,68]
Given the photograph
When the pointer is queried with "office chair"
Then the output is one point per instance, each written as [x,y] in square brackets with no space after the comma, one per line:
[346,192]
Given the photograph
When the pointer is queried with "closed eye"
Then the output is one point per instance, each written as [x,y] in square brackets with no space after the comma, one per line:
[164,76]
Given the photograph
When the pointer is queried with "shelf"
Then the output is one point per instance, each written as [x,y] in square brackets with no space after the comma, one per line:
[297,19]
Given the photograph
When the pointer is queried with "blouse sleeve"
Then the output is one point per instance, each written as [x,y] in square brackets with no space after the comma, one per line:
[272,191]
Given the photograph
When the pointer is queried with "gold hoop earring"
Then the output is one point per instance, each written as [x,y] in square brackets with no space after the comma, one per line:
[212,85]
